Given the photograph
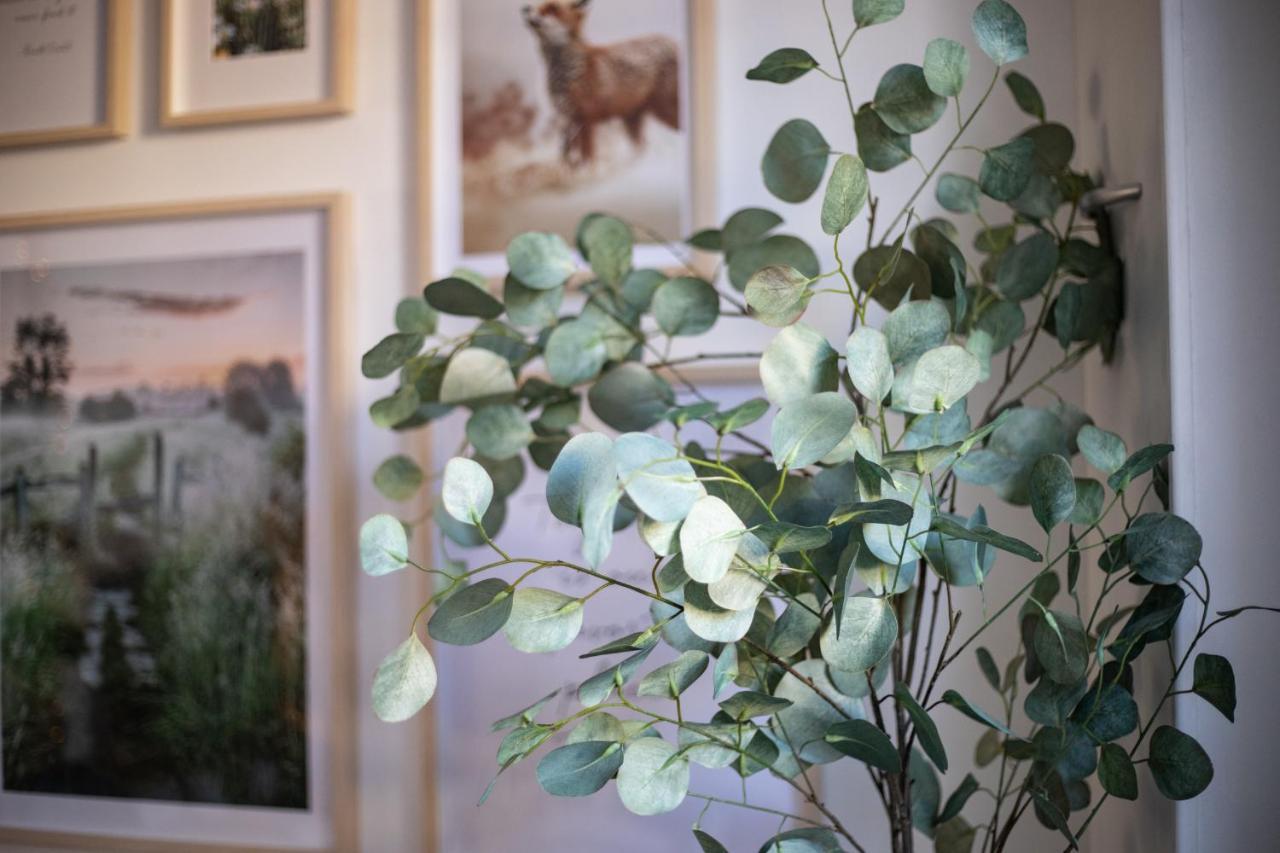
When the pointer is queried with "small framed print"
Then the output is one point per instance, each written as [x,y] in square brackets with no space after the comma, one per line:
[510,141]
[174,483]
[64,67]
[229,61]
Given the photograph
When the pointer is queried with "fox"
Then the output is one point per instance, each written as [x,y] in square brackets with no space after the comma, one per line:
[591,84]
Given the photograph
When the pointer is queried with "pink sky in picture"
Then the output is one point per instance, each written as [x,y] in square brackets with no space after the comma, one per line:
[166,323]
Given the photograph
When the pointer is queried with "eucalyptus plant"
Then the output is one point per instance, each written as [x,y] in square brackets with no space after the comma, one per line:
[806,581]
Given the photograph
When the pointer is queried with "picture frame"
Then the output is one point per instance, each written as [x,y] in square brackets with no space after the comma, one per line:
[439,143]
[287,79]
[314,227]
[117,25]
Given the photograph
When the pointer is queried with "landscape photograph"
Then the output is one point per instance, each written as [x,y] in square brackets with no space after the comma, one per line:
[152,530]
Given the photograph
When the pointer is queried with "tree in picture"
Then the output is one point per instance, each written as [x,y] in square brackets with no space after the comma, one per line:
[810,580]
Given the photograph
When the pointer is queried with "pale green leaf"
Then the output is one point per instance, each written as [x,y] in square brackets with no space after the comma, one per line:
[405,681]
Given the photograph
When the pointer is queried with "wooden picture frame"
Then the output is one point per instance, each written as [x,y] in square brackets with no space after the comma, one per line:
[117,112]
[437,90]
[329,470]
[340,70]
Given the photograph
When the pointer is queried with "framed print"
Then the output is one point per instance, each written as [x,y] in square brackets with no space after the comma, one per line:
[65,66]
[226,61]
[558,109]
[174,483]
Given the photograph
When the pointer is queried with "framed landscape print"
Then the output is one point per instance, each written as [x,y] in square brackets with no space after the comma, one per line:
[176,658]
[227,61]
[560,108]
[64,70]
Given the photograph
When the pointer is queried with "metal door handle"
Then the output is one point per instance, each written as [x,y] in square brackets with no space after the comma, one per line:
[1103,197]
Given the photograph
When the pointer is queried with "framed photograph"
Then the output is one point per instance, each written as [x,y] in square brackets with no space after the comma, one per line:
[174,483]
[531,116]
[227,61]
[65,70]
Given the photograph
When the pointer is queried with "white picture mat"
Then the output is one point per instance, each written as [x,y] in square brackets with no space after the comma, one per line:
[200,83]
[53,66]
[445,139]
[210,823]
[481,684]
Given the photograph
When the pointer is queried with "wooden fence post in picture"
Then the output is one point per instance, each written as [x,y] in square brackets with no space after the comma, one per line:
[88,491]
[157,484]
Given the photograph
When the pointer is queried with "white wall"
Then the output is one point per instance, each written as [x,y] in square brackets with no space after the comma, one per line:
[366,155]
[1220,69]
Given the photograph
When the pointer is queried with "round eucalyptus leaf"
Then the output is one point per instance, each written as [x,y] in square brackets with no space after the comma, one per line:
[746,226]
[867,13]
[1025,94]
[473,614]
[776,250]
[527,306]
[405,681]
[710,621]
[583,475]
[598,726]
[945,261]
[946,67]
[638,289]
[914,328]
[607,243]
[798,363]
[476,374]
[890,274]
[507,474]
[905,102]
[1162,547]
[396,409]
[809,717]
[778,295]
[415,316]
[630,397]
[1040,200]
[1104,450]
[940,379]
[795,161]
[686,306]
[399,477]
[1061,646]
[1179,764]
[863,636]
[808,429]
[661,484]
[384,546]
[1006,169]
[958,193]
[1003,321]
[461,298]
[709,539]
[1000,31]
[662,537]
[541,261]
[1116,773]
[390,354]
[652,779]
[1053,491]
[896,544]
[575,352]
[467,490]
[740,588]
[542,620]
[783,65]
[1027,267]
[1090,497]
[880,146]
[579,769]
[674,678]
[499,431]
[846,194]
[1054,147]
[869,363]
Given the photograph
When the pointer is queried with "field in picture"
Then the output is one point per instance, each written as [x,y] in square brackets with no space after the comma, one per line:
[152,508]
